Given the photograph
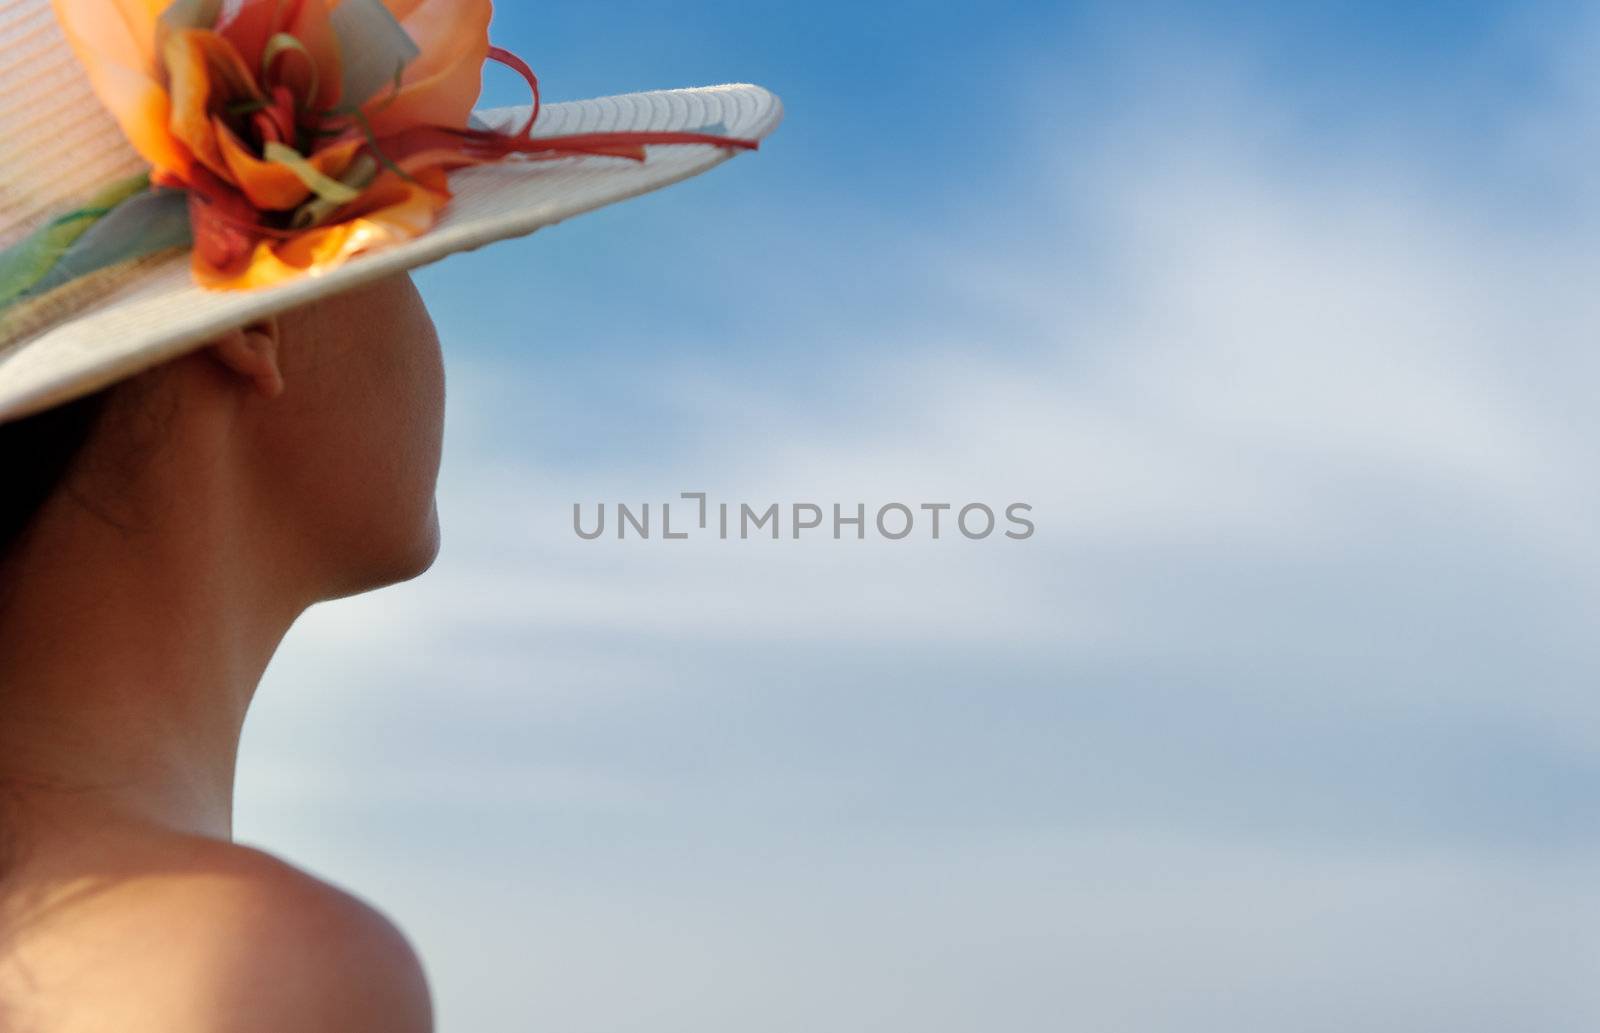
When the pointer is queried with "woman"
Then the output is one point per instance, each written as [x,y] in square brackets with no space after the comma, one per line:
[221,402]
[148,575]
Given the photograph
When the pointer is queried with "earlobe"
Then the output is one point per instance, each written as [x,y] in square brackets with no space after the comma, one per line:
[252,353]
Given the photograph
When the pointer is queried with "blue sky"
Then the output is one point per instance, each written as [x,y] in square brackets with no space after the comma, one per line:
[1282,320]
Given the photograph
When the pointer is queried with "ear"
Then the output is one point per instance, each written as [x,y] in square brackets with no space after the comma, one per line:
[251,354]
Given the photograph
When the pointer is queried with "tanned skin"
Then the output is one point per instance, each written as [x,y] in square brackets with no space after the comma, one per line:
[221,495]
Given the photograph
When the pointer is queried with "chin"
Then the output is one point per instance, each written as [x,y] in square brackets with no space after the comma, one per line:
[423,553]
[404,562]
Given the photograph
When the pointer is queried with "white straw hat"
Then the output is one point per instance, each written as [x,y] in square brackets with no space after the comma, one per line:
[59,145]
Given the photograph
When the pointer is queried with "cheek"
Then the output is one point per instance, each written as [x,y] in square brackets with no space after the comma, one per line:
[431,400]
[405,438]
[417,541]
[376,435]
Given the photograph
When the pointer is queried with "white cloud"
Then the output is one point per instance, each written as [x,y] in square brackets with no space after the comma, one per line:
[1283,714]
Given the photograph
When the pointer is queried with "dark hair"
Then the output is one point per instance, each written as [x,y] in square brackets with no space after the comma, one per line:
[35,456]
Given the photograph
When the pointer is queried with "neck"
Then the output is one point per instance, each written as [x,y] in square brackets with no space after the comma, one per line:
[127,673]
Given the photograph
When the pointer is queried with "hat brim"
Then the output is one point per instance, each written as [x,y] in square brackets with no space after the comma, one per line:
[157,313]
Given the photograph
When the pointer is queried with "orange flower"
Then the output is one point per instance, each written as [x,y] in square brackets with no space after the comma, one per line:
[244,108]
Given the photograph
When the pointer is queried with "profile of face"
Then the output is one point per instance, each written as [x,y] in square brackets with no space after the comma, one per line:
[350,448]
[302,451]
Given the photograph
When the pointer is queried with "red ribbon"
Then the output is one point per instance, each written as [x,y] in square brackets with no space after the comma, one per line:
[479,146]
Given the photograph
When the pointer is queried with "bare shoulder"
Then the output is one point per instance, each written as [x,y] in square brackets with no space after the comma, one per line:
[301,953]
[227,939]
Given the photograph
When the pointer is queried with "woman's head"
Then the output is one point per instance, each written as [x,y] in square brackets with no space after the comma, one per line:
[311,440]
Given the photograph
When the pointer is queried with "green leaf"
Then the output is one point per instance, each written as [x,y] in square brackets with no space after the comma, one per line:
[145,224]
[315,212]
[25,264]
[320,183]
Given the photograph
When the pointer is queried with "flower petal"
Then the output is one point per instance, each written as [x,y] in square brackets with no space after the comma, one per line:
[249,24]
[124,35]
[391,212]
[117,49]
[440,87]
[374,47]
[310,25]
[204,71]
[269,185]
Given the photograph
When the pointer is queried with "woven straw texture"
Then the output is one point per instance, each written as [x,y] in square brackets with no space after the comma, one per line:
[57,144]
[75,342]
